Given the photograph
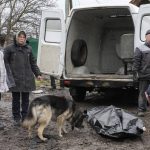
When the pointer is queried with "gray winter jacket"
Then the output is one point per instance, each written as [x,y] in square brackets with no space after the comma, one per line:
[23,67]
[10,80]
[141,61]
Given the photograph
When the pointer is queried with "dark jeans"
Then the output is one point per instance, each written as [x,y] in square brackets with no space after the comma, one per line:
[17,113]
[142,102]
[148,90]
[61,83]
[53,83]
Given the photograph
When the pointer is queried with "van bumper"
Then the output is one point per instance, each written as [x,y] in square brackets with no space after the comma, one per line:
[100,83]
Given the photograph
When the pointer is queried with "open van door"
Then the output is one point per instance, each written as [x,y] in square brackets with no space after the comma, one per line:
[51,48]
[142,24]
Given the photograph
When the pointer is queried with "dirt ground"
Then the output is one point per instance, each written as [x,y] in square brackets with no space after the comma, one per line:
[15,138]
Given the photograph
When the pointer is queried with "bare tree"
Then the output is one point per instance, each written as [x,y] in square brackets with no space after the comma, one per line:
[2,1]
[3,4]
[19,14]
[139,2]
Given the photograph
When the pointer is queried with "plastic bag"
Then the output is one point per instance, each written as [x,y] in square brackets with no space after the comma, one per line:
[115,122]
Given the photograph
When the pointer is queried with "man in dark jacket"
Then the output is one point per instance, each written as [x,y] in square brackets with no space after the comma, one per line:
[19,58]
[141,68]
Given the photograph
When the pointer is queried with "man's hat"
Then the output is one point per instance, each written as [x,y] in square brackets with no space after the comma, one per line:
[148,32]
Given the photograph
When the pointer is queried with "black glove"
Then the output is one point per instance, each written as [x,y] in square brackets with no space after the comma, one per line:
[135,76]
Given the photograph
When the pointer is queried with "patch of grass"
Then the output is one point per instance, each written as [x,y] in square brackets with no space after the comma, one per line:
[43,82]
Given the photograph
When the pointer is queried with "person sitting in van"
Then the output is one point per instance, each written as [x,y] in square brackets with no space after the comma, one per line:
[141,69]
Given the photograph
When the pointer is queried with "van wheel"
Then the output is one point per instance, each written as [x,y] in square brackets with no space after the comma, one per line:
[79,52]
[78,94]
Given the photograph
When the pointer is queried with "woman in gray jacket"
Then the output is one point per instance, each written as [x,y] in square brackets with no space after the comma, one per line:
[18,56]
[2,41]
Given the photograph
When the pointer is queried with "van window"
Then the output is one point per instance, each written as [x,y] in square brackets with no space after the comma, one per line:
[145,25]
[53,31]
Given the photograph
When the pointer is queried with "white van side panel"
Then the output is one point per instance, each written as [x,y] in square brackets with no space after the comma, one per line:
[88,32]
[51,47]
[73,34]
[48,66]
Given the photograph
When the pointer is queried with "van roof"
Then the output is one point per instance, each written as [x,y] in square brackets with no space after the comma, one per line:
[89,2]
[133,8]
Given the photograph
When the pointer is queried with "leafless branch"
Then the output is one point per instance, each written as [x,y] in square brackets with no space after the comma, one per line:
[19,14]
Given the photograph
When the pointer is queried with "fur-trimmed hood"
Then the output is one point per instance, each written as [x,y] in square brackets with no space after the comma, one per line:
[18,34]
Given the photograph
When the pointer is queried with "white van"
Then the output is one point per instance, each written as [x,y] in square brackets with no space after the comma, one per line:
[92,49]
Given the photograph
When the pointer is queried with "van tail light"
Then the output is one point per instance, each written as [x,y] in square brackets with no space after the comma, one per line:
[67,82]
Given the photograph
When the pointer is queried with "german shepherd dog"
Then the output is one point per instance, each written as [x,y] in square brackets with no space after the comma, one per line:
[42,108]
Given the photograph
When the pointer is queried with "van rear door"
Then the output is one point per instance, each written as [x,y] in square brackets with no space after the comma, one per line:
[142,25]
[51,48]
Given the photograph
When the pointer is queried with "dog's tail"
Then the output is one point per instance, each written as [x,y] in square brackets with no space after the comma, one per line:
[31,117]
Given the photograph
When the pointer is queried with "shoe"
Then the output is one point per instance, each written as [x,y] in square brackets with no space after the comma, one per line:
[141,114]
[17,122]
[54,87]
[23,118]
[1,127]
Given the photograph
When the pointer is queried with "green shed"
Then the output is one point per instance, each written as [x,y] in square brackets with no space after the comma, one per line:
[33,42]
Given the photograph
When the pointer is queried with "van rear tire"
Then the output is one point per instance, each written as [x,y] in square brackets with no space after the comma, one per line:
[78,94]
[79,53]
